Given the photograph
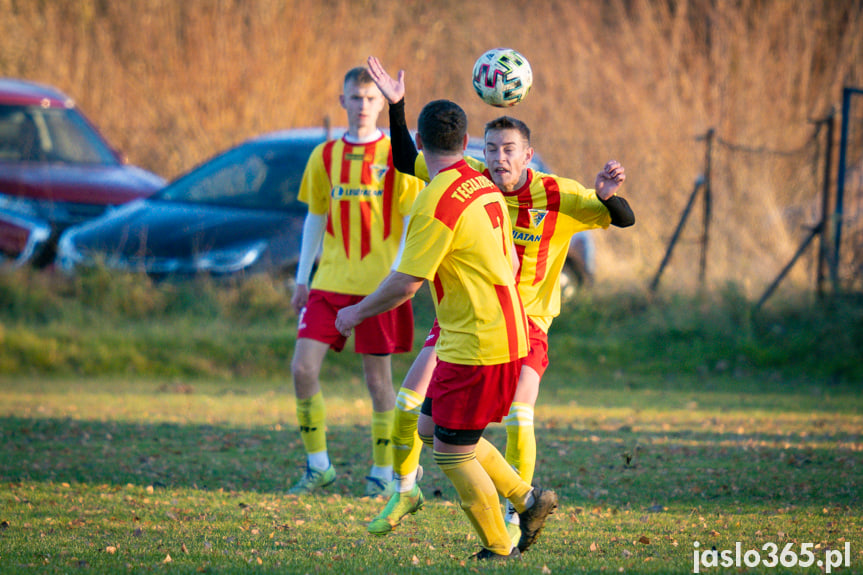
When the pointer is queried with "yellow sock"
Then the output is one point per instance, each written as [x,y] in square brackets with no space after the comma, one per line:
[311,416]
[507,482]
[478,498]
[382,437]
[521,440]
[406,444]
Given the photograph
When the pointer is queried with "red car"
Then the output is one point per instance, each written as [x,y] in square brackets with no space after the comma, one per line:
[56,170]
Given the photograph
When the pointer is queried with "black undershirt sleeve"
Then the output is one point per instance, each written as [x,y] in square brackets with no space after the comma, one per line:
[621,214]
[404,150]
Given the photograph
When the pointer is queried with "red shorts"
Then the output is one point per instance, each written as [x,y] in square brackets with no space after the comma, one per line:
[537,357]
[472,396]
[389,332]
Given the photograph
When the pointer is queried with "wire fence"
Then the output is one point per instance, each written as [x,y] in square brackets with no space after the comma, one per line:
[823,217]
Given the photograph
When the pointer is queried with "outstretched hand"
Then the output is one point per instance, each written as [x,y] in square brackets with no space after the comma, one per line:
[393,90]
[609,180]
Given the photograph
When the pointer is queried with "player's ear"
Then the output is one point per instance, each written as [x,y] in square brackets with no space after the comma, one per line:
[342,100]
[465,142]
[419,141]
[529,153]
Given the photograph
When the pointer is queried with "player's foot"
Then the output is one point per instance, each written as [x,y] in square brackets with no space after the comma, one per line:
[487,555]
[533,518]
[399,505]
[510,519]
[313,479]
[376,486]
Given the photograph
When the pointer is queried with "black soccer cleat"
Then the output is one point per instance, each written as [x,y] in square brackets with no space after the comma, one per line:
[488,555]
[533,518]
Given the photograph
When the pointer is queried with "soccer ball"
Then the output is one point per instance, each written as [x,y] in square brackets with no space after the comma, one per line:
[502,77]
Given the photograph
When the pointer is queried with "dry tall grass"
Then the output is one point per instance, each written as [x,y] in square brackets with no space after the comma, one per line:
[638,80]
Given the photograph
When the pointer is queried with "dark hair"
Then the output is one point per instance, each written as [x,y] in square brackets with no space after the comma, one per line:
[442,125]
[359,76]
[509,123]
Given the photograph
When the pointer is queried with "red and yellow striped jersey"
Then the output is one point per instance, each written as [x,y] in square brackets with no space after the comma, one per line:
[458,239]
[545,213]
[365,200]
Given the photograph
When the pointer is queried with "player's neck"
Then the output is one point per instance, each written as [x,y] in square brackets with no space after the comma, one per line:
[439,162]
[363,135]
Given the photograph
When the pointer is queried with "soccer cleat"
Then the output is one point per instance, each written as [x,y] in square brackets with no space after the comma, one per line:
[512,528]
[487,555]
[376,486]
[313,479]
[533,518]
[399,505]
[514,532]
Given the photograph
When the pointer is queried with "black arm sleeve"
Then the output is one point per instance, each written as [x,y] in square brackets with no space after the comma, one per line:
[404,150]
[621,214]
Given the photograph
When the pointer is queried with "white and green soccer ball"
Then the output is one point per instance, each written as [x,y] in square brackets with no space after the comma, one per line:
[502,77]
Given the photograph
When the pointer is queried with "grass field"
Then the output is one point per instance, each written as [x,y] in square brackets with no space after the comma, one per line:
[711,432]
[149,476]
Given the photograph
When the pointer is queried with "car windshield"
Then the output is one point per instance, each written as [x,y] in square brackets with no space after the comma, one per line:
[37,134]
[250,177]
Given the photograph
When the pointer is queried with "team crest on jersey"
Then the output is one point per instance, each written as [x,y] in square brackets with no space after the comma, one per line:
[379,171]
[536,217]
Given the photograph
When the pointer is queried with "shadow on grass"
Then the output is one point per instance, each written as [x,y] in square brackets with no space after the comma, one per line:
[587,467]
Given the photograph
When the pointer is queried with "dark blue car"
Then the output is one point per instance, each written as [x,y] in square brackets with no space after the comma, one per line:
[233,215]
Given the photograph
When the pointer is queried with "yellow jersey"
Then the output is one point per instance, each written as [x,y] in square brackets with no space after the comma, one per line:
[544,213]
[458,238]
[365,200]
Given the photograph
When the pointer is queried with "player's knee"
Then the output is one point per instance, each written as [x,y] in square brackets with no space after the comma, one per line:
[303,372]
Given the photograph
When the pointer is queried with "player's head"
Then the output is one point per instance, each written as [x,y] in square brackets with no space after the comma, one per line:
[507,152]
[442,127]
[362,100]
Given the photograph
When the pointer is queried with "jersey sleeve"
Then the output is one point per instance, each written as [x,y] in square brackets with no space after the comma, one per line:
[410,187]
[428,241]
[582,205]
[421,169]
[315,185]
[477,165]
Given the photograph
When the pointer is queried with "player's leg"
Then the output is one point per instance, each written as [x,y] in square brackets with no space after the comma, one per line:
[378,375]
[376,338]
[463,399]
[520,431]
[456,456]
[407,497]
[521,439]
[311,414]
[520,436]
[406,443]
[532,504]
[406,447]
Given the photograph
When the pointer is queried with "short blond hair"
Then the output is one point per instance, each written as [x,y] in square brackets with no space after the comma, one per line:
[359,75]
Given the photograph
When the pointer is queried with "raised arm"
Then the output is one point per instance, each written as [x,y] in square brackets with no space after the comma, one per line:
[608,181]
[403,146]
[393,90]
